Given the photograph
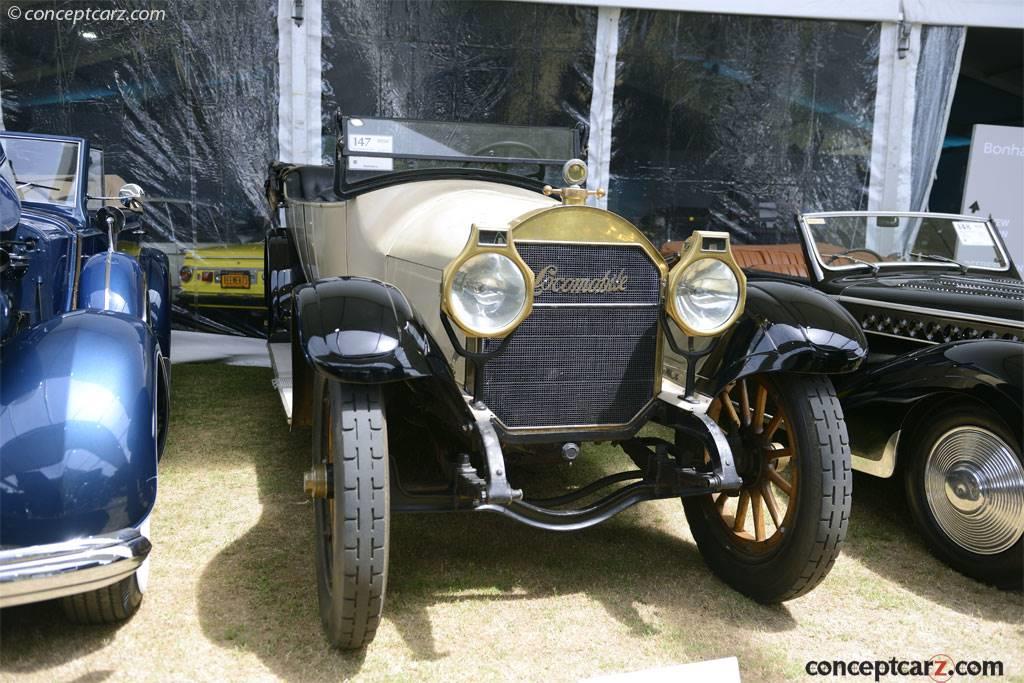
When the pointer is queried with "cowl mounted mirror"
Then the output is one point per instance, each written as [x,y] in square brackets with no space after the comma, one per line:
[131,196]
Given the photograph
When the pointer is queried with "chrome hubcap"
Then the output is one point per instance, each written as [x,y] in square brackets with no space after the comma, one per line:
[975,489]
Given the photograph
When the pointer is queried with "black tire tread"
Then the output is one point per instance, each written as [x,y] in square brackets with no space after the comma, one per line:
[108,605]
[809,553]
[362,498]
[1003,570]
[836,484]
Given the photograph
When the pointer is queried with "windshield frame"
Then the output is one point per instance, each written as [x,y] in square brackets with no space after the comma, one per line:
[345,186]
[820,268]
[77,195]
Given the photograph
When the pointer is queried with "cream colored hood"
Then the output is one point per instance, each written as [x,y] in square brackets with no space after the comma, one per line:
[428,223]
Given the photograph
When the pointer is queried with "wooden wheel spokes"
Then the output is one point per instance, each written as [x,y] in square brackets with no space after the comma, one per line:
[761,402]
[778,480]
[759,527]
[744,413]
[771,454]
[744,403]
[740,518]
[758,513]
[730,410]
[771,504]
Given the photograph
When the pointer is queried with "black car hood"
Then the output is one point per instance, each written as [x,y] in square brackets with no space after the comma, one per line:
[988,295]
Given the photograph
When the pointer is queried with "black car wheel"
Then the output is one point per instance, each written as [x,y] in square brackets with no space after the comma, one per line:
[778,537]
[965,486]
[108,605]
[352,519]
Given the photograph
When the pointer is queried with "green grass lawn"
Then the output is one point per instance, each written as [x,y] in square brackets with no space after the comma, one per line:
[474,596]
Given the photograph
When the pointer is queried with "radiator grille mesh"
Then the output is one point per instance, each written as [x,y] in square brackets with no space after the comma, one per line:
[574,364]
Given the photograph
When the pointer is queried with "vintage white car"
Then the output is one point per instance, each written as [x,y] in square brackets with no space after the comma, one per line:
[436,310]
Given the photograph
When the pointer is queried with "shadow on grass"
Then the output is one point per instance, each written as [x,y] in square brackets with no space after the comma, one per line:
[259,593]
[884,538]
[28,633]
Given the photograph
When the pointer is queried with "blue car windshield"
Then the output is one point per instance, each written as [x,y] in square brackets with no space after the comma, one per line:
[44,171]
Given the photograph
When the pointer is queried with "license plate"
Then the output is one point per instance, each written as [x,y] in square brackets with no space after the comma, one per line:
[234,280]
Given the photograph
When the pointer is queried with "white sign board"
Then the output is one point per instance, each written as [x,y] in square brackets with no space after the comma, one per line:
[995,183]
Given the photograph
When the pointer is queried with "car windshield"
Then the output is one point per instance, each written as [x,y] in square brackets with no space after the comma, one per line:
[850,241]
[374,147]
[44,171]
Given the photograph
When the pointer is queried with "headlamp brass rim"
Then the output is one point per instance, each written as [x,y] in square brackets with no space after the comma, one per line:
[474,248]
[692,252]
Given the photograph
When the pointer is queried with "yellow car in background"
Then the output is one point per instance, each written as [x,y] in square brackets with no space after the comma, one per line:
[223,277]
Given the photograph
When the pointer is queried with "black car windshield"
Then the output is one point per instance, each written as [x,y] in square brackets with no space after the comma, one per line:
[44,171]
[878,240]
[374,147]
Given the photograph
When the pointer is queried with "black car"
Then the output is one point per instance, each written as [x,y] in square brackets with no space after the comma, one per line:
[939,400]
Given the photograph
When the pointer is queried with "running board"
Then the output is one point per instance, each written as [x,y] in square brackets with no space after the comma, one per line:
[281,361]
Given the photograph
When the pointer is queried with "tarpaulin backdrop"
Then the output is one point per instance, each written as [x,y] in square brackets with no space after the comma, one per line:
[697,120]
[185,106]
[738,123]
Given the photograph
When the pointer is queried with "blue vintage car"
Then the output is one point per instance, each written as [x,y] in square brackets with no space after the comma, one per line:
[84,380]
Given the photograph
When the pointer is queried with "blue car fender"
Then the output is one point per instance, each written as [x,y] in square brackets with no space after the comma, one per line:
[78,428]
[155,265]
[112,281]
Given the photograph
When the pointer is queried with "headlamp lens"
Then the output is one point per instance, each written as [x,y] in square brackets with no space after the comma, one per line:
[706,294]
[488,293]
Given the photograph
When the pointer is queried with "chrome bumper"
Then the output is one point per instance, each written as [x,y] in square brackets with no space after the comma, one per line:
[44,572]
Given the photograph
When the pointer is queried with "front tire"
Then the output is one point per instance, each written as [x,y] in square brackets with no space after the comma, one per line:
[108,605]
[965,489]
[779,536]
[352,521]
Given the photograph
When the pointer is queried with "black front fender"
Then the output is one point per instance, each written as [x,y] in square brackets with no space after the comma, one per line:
[785,327]
[883,398]
[364,331]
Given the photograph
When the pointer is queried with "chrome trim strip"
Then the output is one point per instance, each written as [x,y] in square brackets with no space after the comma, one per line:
[558,429]
[908,214]
[996,238]
[54,570]
[629,245]
[901,337]
[106,282]
[1005,322]
[631,304]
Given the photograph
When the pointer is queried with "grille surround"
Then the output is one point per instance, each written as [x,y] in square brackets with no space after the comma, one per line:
[585,360]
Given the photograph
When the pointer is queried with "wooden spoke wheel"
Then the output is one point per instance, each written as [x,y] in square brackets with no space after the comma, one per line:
[758,430]
[778,536]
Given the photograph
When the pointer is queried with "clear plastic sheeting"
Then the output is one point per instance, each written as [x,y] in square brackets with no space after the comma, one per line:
[737,123]
[184,105]
[937,68]
[497,62]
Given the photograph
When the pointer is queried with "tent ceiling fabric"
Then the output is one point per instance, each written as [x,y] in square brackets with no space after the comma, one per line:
[993,13]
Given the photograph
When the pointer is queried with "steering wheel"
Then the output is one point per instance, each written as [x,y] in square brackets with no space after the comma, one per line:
[842,254]
[506,146]
[492,148]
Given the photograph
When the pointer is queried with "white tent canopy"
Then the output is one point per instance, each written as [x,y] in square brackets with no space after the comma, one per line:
[994,13]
